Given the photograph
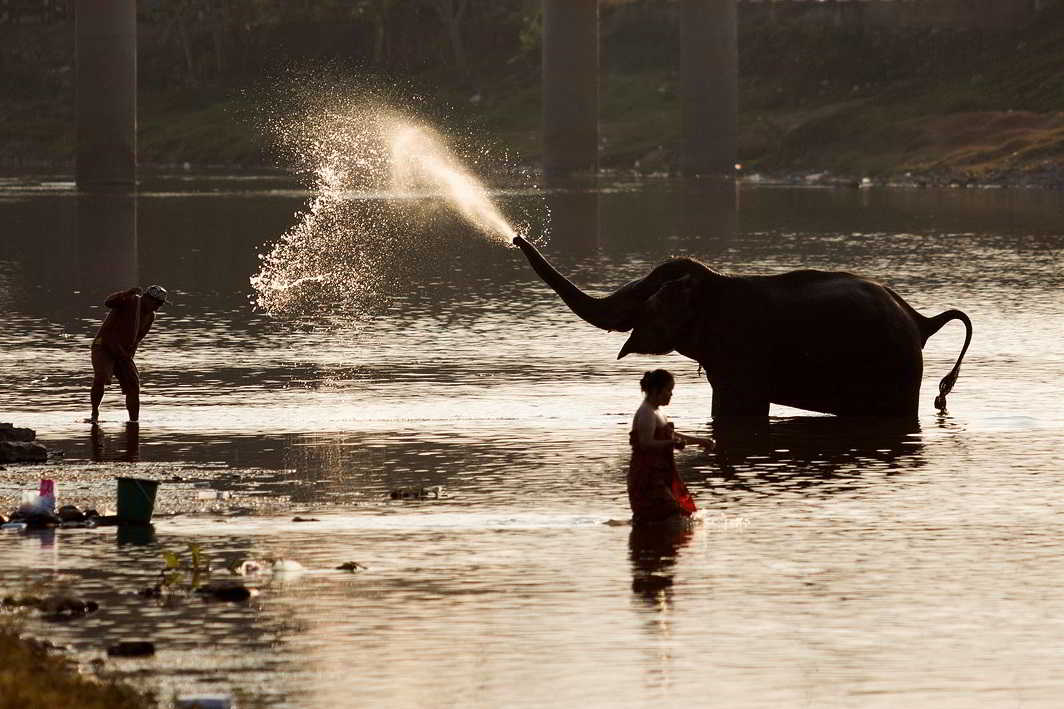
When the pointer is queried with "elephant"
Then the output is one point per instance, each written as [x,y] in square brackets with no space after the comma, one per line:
[829,342]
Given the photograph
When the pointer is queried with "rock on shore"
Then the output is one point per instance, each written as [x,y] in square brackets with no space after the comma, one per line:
[18,445]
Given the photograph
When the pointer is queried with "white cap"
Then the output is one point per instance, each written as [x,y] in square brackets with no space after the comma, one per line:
[157,292]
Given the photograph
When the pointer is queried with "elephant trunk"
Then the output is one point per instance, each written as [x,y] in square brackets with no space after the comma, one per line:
[609,313]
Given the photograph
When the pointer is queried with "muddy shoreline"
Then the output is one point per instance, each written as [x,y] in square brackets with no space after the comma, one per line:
[37,674]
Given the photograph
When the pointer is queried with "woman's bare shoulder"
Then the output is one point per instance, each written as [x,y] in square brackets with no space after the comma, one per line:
[647,416]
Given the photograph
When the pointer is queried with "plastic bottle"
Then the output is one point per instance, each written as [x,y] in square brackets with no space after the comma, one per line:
[47,494]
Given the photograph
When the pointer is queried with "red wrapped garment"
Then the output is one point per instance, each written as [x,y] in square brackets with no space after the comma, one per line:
[655,490]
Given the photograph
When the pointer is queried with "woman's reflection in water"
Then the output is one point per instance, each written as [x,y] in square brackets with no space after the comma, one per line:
[130,450]
[653,550]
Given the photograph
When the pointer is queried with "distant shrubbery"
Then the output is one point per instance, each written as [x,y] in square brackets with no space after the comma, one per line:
[810,93]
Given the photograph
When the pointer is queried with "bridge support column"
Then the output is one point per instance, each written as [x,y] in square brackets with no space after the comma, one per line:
[106,39]
[570,86]
[709,66]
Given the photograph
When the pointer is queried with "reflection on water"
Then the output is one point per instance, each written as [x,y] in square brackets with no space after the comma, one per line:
[806,452]
[103,448]
[574,207]
[107,255]
[653,551]
[839,563]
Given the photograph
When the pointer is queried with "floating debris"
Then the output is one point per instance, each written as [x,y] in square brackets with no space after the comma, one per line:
[204,701]
[232,593]
[417,493]
[62,607]
[132,648]
[288,566]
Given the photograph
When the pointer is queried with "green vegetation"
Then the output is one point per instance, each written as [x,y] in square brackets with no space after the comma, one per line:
[860,101]
[185,570]
[960,101]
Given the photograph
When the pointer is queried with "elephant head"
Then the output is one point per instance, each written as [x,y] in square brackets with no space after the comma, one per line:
[660,309]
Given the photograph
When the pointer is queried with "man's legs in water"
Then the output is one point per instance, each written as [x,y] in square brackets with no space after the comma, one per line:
[129,378]
[103,366]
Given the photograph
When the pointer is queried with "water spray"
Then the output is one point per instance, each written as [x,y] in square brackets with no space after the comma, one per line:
[379,179]
[420,159]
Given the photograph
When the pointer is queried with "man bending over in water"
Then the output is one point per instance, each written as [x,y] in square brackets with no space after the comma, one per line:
[131,316]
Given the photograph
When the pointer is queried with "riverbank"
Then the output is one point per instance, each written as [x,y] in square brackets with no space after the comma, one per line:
[36,675]
[185,487]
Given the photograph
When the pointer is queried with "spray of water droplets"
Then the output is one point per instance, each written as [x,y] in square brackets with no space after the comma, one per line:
[382,182]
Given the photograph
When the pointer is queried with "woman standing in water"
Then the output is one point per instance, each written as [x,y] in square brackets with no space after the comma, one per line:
[655,490]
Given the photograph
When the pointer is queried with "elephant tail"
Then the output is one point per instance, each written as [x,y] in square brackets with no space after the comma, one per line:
[933,325]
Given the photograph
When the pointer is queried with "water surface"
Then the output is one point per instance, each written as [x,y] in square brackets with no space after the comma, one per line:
[839,564]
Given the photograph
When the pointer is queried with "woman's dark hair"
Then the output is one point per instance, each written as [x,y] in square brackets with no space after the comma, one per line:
[655,380]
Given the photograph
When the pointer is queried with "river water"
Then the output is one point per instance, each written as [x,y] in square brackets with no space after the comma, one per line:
[839,564]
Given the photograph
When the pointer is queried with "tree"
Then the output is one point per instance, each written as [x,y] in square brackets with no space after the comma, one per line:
[452,13]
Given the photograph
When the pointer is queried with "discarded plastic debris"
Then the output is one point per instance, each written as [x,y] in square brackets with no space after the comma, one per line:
[62,607]
[248,568]
[287,566]
[417,493]
[70,513]
[46,494]
[33,513]
[132,648]
[33,503]
[225,592]
[204,701]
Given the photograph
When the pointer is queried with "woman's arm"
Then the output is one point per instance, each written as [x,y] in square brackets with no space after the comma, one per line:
[707,443]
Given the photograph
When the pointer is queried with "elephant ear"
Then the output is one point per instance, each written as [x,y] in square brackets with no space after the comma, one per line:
[662,319]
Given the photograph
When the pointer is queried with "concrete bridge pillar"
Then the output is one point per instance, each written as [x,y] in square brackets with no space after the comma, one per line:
[106,39]
[709,69]
[570,86]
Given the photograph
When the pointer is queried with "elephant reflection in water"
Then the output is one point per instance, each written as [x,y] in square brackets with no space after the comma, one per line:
[828,342]
[808,452]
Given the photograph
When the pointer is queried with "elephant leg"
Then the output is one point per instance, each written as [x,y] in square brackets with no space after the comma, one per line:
[739,397]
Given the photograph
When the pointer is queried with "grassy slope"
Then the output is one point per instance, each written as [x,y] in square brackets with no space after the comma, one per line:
[945,104]
[951,102]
